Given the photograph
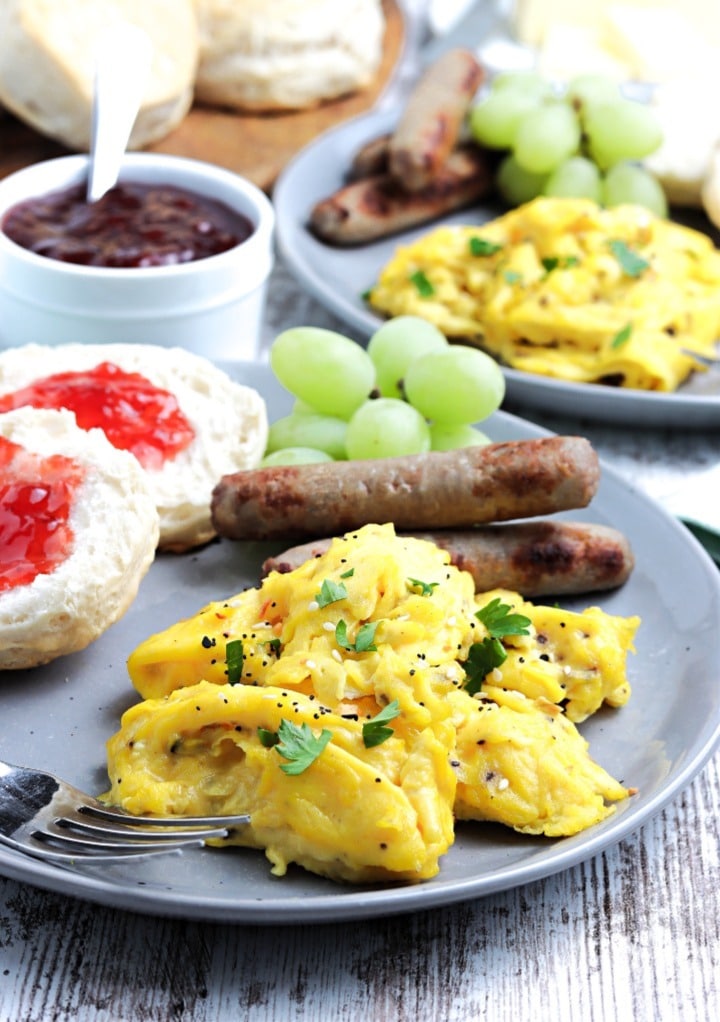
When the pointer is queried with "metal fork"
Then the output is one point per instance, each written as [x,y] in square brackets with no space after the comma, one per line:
[50,819]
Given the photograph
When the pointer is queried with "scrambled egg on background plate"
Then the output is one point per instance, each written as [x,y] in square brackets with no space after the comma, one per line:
[357,706]
[567,289]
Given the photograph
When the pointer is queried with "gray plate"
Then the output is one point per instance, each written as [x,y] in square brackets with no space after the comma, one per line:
[338,278]
[59,717]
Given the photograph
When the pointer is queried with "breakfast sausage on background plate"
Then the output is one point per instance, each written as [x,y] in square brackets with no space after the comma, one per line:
[377,206]
[432,119]
[443,489]
[538,558]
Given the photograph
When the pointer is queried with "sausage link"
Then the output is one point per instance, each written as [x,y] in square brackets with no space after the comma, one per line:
[538,558]
[434,114]
[377,206]
[443,489]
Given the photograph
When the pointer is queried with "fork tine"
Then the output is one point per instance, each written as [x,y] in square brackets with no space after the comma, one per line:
[100,812]
[128,832]
[45,853]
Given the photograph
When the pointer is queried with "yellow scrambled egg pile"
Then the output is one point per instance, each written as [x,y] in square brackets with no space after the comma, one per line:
[359,705]
[567,289]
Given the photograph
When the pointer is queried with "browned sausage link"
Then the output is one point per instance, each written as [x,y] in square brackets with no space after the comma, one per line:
[538,558]
[370,159]
[443,489]
[430,124]
[376,207]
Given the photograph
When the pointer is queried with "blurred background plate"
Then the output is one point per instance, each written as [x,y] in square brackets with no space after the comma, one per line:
[338,278]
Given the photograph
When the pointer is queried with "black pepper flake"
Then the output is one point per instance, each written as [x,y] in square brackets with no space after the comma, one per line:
[383,845]
[207,642]
[378,780]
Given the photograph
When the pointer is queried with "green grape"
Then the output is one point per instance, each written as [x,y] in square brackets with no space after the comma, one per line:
[494,121]
[577,178]
[458,386]
[386,427]
[621,130]
[586,89]
[308,429]
[630,183]
[294,456]
[517,185]
[546,138]
[395,344]
[529,82]
[302,408]
[326,370]
[450,438]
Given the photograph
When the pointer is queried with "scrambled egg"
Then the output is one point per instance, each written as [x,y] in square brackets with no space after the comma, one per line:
[349,708]
[567,289]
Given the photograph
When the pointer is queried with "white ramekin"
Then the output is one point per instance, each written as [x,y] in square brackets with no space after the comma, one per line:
[211,306]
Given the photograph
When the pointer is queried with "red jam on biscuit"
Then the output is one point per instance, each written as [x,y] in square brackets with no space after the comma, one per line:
[36,498]
[134,414]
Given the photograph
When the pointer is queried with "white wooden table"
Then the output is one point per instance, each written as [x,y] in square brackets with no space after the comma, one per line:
[631,934]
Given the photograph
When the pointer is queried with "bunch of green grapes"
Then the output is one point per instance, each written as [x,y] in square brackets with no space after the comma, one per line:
[409,392]
[582,140]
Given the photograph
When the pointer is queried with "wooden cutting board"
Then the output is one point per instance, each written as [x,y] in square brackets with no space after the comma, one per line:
[255,145]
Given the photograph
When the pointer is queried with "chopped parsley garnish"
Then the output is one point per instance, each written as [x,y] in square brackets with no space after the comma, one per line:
[299,746]
[551,263]
[365,641]
[376,731]
[512,277]
[268,738]
[330,592]
[631,263]
[483,657]
[348,574]
[234,657]
[274,646]
[483,247]
[425,588]
[622,336]
[499,619]
[422,284]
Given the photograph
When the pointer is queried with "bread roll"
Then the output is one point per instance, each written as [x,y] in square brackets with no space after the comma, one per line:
[287,54]
[115,529]
[229,422]
[47,63]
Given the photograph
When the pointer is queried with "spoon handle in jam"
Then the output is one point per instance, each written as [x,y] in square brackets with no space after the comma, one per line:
[123,58]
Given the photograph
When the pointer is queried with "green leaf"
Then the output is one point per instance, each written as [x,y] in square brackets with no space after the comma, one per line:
[622,336]
[300,746]
[268,738]
[499,619]
[483,247]
[234,657]
[375,731]
[364,643]
[425,588]
[483,657]
[348,574]
[274,646]
[423,286]
[551,263]
[330,592]
[631,263]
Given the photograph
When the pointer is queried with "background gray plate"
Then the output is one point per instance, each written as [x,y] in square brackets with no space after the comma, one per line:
[339,277]
[58,717]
